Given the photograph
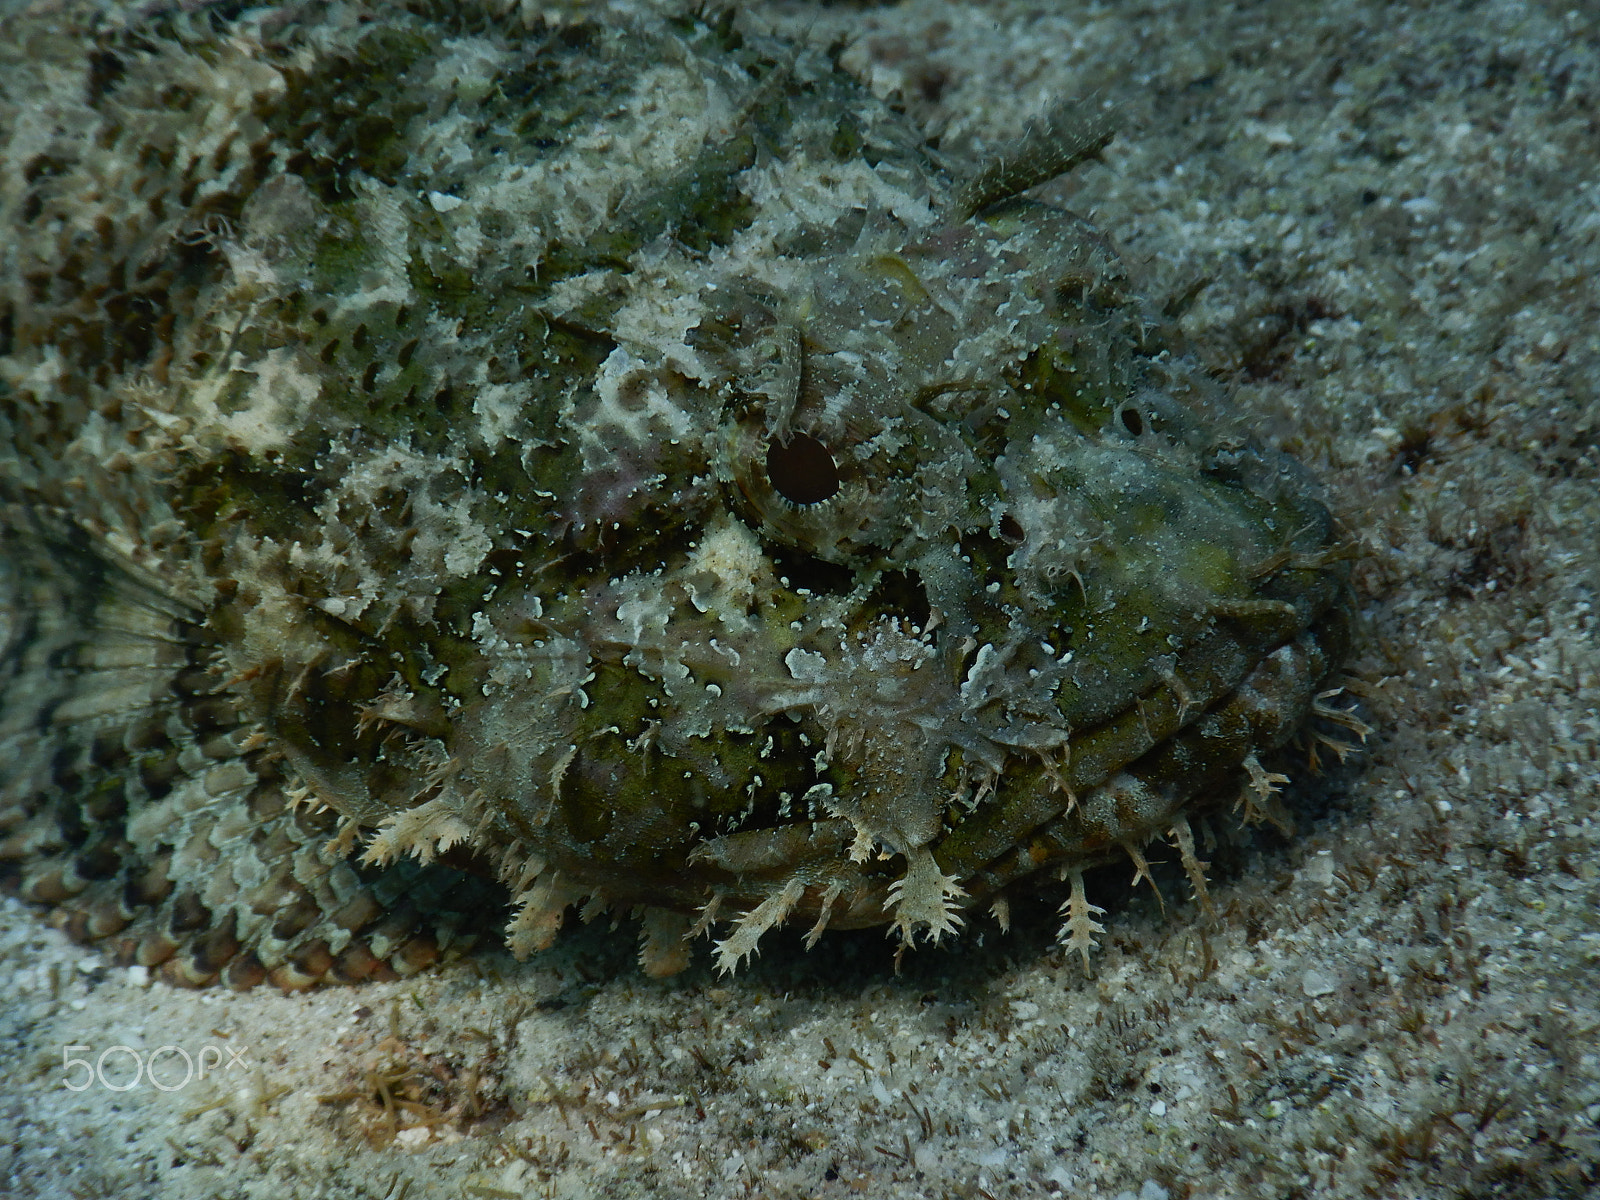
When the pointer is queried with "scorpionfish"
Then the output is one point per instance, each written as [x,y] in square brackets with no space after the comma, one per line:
[459,466]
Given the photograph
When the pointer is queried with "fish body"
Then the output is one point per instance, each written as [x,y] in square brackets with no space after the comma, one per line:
[448,459]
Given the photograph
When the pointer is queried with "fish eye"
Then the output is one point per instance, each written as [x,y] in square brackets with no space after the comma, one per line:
[1132,421]
[802,470]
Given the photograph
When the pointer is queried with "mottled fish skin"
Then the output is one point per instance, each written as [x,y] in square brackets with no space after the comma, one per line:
[448,458]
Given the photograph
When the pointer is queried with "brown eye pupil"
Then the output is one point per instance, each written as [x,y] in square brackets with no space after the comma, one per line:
[802,470]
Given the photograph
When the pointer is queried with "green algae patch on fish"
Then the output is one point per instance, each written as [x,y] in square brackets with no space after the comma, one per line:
[451,459]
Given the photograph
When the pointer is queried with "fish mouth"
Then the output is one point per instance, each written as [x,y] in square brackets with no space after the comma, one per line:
[1179,751]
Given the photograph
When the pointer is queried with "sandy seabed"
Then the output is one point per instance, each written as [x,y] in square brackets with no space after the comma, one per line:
[1398,207]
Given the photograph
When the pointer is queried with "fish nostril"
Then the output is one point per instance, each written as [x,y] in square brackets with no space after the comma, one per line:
[802,470]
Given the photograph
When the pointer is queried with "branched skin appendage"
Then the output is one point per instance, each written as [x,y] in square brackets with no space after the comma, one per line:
[619,466]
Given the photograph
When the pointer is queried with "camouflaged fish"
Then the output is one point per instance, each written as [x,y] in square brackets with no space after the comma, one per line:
[449,457]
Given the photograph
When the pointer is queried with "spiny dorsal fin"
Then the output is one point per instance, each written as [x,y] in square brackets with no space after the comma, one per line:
[1052,145]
